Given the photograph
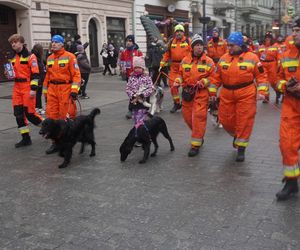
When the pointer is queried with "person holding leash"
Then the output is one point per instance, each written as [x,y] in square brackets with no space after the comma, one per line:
[61,84]
[194,70]
[236,71]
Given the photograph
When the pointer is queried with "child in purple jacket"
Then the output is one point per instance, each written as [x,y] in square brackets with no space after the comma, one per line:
[139,88]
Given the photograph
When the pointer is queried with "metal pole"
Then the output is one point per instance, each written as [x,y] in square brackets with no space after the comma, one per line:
[235,15]
[204,23]
[279,16]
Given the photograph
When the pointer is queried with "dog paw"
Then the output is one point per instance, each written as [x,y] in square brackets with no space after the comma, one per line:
[172,148]
[142,161]
[153,155]
[92,154]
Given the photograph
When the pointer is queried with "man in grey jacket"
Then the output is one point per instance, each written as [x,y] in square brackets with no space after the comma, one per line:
[85,69]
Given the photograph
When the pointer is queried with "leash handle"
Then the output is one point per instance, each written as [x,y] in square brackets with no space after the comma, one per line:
[157,78]
[69,105]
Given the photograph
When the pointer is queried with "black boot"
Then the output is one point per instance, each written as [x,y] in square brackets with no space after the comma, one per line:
[26,141]
[193,151]
[240,154]
[53,149]
[278,95]
[290,188]
[176,107]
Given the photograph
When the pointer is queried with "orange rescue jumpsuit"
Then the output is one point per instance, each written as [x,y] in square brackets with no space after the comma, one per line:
[237,107]
[289,42]
[269,56]
[26,78]
[177,51]
[216,50]
[62,78]
[290,114]
[193,69]
[281,46]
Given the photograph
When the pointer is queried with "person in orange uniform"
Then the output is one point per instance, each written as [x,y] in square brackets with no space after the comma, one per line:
[179,47]
[289,84]
[216,46]
[24,91]
[194,70]
[236,72]
[269,54]
[61,84]
[280,43]
[289,42]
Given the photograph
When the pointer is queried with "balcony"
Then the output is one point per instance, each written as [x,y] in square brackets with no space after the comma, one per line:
[224,4]
[247,7]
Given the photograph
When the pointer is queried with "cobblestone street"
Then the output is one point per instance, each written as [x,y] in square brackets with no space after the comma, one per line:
[171,202]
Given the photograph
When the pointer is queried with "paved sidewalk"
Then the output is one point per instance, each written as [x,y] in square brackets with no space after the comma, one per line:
[171,202]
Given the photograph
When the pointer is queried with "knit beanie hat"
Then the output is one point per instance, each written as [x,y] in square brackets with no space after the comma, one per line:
[269,34]
[80,48]
[130,37]
[215,29]
[139,61]
[236,38]
[197,39]
[58,39]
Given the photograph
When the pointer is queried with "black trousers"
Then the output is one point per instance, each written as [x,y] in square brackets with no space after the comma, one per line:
[85,77]
[38,100]
[106,68]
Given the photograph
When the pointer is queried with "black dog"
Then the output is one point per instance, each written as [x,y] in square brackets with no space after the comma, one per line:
[145,134]
[66,133]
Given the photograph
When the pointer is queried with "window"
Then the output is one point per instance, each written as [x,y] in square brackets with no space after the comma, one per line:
[63,24]
[116,31]
[3,17]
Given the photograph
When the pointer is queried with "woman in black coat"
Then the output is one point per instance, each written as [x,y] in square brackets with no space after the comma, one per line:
[104,54]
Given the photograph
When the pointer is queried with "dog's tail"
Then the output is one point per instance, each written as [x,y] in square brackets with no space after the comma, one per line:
[94,112]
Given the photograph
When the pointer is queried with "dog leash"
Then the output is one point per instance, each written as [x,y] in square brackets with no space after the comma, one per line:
[69,105]
[157,78]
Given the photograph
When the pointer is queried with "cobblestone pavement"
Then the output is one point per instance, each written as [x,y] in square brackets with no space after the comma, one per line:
[171,202]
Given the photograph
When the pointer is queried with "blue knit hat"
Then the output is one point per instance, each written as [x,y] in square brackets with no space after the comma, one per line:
[236,38]
[58,39]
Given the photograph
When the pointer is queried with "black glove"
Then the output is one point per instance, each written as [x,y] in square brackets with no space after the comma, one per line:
[73,96]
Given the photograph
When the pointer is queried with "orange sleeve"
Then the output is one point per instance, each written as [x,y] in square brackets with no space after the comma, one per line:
[75,74]
[261,77]
[46,80]
[281,79]
[34,68]
[165,58]
[215,79]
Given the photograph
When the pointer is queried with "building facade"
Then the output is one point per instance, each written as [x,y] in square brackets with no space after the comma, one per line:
[96,22]
[255,17]
[165,13]
[220,12]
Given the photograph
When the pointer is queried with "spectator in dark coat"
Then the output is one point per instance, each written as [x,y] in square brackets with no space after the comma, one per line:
[77,41]
[112,58]
[104,54]
[155,54]
[85,69]
[38,51]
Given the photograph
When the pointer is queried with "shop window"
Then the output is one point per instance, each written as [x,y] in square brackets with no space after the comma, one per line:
[63,24]
[116,31]
[3,17]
